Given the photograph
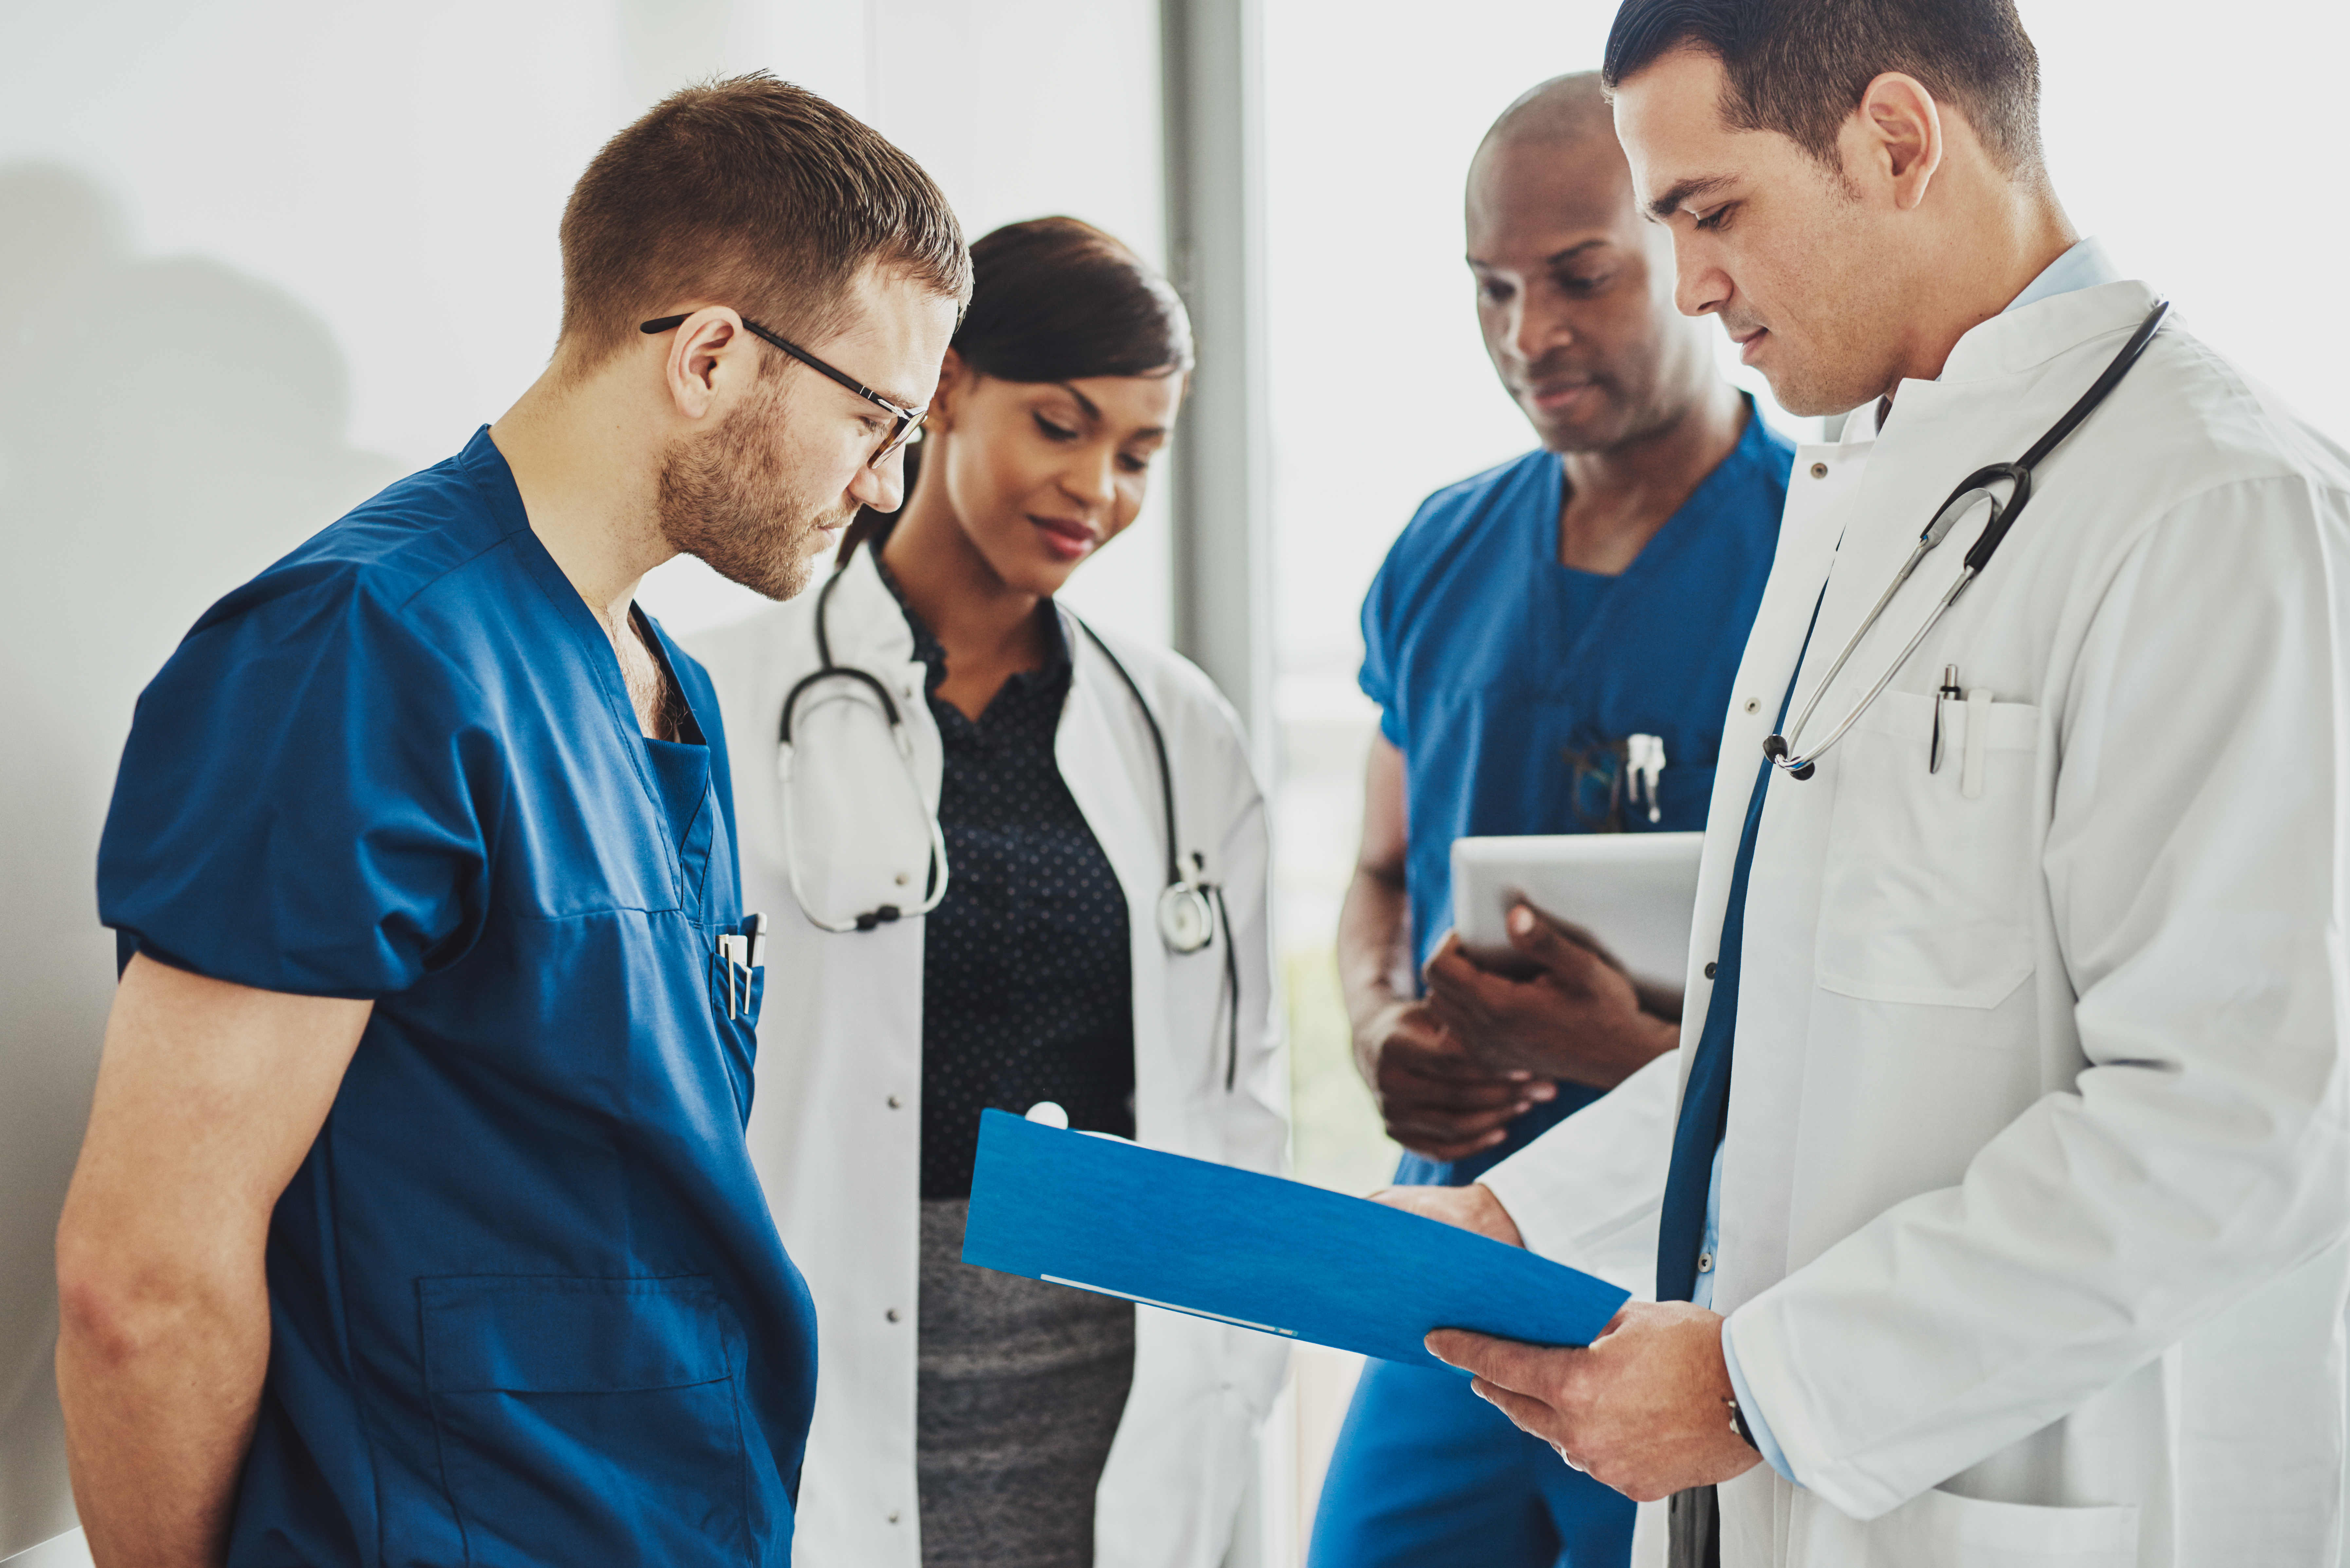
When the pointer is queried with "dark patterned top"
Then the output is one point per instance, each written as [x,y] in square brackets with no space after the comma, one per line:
[1027,981]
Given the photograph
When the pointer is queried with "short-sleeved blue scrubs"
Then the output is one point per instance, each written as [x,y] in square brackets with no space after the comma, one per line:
[1507,680]
[527,1304]
[1509,683]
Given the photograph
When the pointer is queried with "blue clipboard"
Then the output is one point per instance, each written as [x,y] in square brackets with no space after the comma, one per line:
[1105,1215]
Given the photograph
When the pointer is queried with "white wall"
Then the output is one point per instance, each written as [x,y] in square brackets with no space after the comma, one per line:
[258,257]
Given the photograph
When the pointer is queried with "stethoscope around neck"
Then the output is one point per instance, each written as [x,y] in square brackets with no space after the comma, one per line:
[1973,491]
[935,886]
[1191,909]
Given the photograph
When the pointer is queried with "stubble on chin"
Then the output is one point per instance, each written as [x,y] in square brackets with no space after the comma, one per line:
[729,498]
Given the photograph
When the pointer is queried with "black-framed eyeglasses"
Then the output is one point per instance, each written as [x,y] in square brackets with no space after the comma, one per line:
[909,420]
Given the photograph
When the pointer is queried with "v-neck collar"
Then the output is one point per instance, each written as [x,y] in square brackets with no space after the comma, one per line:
[493,478]
[1708,497]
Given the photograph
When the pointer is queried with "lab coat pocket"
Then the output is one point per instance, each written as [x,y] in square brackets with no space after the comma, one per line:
[1926,891]
[1942,1529]
[587,1420]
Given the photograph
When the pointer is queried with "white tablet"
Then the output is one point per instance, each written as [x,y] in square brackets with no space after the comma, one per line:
[1636,893]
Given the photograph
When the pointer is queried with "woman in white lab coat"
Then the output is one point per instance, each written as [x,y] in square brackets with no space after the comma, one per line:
[1073,775]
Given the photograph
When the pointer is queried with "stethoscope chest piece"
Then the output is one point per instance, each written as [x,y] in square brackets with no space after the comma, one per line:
[1186,920]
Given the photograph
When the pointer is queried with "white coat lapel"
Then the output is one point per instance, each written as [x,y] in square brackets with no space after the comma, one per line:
[1819,497]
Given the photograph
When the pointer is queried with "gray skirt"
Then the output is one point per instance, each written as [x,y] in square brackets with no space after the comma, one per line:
[1020,1387]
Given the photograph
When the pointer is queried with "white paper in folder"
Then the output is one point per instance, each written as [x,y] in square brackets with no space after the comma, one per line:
[1636,893]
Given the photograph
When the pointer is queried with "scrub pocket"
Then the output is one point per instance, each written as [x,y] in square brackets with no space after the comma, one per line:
[1926,894]
[586,1420]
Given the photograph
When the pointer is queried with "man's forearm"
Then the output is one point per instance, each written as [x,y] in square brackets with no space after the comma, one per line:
[1370,944]
[209,1096]
[159,1405]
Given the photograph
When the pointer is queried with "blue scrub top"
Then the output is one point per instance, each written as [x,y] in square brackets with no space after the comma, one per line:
[1506,679]
[528,1303]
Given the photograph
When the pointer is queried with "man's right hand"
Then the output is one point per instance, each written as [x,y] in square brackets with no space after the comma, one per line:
[1436,1099]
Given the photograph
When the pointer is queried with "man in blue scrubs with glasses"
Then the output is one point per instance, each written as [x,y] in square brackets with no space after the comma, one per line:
[414,1221]
[1537,633]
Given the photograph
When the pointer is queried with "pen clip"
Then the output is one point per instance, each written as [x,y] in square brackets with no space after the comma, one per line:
[731,950]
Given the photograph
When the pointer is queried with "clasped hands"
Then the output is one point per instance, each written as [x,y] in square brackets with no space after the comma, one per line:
[1644,1409]
[1453,1070]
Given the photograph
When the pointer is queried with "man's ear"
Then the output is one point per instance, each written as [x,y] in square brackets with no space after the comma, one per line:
[710,356]
[956,379]
[1896,135]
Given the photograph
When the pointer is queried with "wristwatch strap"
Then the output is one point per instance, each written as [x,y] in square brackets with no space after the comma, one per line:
[1738,1423]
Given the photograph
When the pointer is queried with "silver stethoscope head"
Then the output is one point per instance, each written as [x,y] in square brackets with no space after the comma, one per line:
[1976,490]
[1187,917]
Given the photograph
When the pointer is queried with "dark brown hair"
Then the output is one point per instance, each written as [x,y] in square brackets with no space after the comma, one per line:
[748,192]
[1800,66]
[1054,300]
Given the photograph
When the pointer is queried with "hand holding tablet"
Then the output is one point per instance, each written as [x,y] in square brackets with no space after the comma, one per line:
[1634,894]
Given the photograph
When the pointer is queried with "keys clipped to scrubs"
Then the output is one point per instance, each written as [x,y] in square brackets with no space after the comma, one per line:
[741,952]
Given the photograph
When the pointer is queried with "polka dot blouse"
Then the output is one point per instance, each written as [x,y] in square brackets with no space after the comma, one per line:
[1027,981]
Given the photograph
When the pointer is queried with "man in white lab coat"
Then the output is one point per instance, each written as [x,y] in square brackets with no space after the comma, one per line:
[2009,1173]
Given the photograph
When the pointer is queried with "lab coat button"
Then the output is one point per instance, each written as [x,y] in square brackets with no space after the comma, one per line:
[893,1516]
[1709,975]
[1705,1262]
[896,1104]
[1819,470]
[892,1315]
[901,878]
[1754,705]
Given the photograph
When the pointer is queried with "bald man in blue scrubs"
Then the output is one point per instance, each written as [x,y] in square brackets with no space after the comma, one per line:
[414,1222]
[1537,632]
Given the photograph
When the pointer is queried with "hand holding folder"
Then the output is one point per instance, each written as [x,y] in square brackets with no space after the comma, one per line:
[1257,1252]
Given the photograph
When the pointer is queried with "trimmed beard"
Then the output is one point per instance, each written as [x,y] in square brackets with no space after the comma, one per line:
[729,499]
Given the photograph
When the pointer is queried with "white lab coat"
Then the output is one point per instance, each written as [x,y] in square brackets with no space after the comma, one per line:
[835,1126]
[2036,1185]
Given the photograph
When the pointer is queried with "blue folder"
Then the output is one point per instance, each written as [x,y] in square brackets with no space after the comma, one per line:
[1280,1257]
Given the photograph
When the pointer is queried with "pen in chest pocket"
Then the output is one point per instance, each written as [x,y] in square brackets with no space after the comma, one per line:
[742,953]
[1948,692]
